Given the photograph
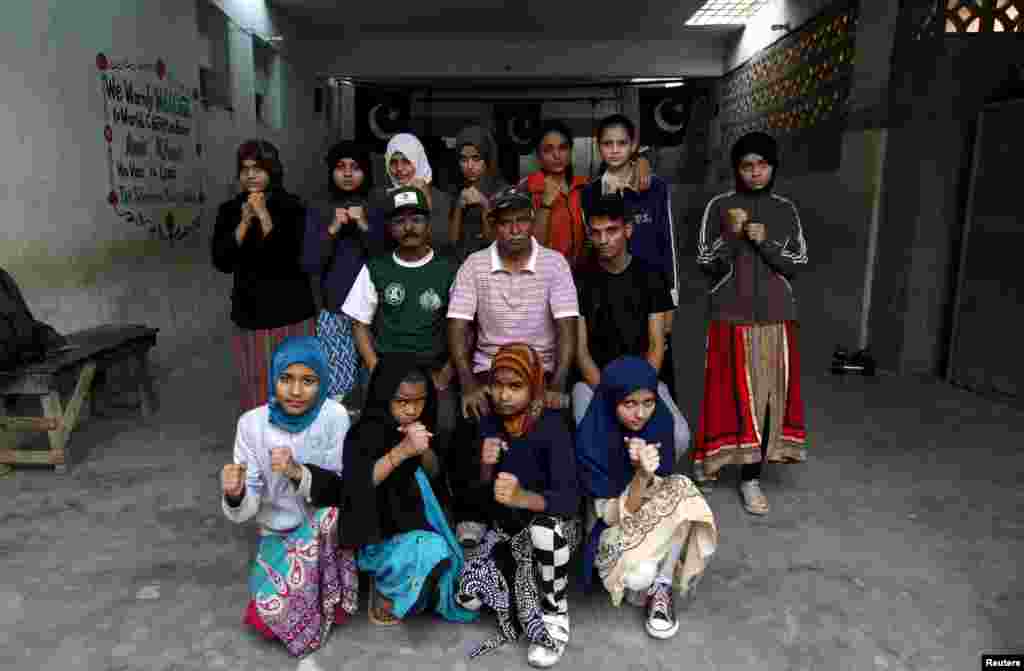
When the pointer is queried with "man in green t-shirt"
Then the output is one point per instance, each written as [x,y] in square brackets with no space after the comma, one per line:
[399,301]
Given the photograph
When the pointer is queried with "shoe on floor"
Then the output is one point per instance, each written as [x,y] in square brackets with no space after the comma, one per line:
[558,627]
[470,533]
[754,500]
[661,613]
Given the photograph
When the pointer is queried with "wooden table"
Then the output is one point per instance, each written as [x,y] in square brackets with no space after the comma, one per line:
[88,356]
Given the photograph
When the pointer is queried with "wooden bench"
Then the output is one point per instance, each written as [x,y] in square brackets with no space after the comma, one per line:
[86,358]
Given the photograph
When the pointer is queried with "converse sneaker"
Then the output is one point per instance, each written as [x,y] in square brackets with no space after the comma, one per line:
[558,627]
[661,613]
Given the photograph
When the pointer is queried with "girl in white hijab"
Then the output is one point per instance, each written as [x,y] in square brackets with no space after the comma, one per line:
[407,165]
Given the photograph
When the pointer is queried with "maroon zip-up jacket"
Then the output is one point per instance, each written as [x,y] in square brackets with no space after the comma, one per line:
[751,283]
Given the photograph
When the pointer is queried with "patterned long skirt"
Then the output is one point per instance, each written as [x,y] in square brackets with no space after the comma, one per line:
[335,333]
[676,512]
[254,350]
[303,583]
[748,367]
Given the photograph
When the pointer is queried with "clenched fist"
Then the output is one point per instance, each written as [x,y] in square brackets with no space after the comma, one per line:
[506,489]
[281,461]
[417,438]
[341,218]
[491,450]
[737,218]
[756,232]
[232,480]
[645,457]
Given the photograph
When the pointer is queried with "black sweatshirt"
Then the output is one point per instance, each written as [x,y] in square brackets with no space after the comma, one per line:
[270,288]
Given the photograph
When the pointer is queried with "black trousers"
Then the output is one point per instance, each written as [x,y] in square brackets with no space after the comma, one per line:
[753,471]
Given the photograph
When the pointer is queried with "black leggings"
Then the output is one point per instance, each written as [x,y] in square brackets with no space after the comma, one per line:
[753,471]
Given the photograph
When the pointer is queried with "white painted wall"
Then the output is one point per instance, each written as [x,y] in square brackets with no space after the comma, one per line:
[78,263]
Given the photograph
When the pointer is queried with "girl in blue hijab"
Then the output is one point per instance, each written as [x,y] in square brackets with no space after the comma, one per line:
[301,582]
[651,531]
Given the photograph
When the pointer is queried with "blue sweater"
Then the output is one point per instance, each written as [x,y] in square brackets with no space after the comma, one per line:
[543,461]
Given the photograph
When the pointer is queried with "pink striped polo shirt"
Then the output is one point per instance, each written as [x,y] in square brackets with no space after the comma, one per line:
[514,307]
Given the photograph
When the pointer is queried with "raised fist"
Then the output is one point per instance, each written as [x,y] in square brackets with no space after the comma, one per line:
[491,450]
[232,480]
[281,460]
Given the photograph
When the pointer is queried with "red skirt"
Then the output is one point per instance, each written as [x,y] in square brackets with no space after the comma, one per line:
[254,352]
[747,367]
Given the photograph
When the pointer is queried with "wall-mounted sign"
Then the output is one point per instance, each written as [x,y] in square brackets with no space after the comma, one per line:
[152,148]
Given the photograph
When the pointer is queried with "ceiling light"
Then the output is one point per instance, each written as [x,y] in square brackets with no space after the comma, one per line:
[726,12]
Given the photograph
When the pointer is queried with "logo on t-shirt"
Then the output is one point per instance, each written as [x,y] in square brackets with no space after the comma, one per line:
[394,294]
[430,301]
[641,218]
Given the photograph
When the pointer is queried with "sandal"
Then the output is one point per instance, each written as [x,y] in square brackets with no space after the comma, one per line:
[376,614]
[754,500]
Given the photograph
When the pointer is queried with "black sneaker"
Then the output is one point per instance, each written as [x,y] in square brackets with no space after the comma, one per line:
[661,613]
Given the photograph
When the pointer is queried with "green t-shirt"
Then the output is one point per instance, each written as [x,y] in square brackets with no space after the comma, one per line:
[412,306]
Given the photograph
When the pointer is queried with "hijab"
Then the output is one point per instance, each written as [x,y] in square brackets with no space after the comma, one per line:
[372,514]
[361,155]
[524,361]
[601,452]
[409,146]
[292,350]
[763,145]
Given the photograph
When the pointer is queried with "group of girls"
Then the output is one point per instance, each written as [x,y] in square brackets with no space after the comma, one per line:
[333,500]
[293,265]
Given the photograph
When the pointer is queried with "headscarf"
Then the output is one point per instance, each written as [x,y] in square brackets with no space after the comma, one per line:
[305,350]
[361,155]
[524,361]
[601,451]
[763,145]
[409,146]
[371,514]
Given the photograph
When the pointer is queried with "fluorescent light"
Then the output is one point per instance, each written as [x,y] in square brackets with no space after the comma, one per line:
[726,12]
[674,85]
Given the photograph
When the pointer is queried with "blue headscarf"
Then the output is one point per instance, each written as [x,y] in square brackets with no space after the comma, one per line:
[601,451]
[305,350]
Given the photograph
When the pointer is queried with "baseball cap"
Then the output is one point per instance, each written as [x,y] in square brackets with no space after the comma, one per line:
[408,197]
[511,198]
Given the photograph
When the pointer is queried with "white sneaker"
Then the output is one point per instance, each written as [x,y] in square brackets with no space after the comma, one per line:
[470,533]
[558,627]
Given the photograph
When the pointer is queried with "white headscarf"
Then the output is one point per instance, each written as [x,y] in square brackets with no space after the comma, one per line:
[409,146]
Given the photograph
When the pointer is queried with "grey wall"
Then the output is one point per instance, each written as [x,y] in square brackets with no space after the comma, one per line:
[78,263]
[938,89]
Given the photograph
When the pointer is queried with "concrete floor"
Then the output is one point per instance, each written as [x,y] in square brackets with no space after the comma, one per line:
[895,547]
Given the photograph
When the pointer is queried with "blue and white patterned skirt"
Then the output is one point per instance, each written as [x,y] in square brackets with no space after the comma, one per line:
[335,334]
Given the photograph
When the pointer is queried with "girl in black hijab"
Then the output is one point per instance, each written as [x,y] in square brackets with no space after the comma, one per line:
[333,251]
[388,507]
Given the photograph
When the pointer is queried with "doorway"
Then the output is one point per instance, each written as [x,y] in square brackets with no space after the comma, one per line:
[984,348]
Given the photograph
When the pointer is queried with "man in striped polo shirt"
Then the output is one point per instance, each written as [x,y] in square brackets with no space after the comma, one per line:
[517,291]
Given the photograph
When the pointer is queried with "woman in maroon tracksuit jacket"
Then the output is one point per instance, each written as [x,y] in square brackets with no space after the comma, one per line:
[751,245]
